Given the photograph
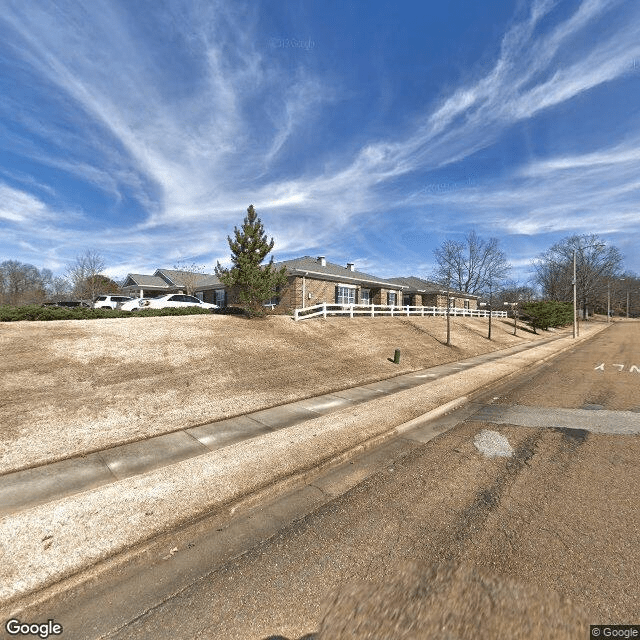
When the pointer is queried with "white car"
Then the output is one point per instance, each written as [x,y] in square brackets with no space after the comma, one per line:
[164,302]
[110,302]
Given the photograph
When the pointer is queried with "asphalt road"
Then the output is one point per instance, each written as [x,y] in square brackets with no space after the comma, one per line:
[440,541]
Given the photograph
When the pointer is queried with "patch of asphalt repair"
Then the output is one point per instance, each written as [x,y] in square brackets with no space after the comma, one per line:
[491,443]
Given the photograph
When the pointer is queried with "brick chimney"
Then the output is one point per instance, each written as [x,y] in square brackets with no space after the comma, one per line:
[350,266]
[322,260]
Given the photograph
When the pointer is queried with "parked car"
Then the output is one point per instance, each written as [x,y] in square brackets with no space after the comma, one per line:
[164,302]
[134,304]
[110,302]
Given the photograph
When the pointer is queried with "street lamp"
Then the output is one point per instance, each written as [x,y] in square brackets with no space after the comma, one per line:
[622,280]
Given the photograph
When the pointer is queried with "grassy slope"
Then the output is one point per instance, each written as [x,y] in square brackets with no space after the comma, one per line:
[71,387]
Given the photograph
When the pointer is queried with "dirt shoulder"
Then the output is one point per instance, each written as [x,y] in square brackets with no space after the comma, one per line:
[71,387]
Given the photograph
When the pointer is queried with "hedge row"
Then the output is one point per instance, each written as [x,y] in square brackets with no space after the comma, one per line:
[36,312]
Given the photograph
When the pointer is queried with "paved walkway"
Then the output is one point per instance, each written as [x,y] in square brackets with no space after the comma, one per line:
[24,489]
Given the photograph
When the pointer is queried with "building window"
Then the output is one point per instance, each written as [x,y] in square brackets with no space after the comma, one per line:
[219,298]
[406,300]
[365,296]
[391,298]
[345,295]
[466,304]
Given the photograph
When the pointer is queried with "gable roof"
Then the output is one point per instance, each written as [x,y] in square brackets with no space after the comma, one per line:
[139,279]
[333,272]
[418,285]
[180,278]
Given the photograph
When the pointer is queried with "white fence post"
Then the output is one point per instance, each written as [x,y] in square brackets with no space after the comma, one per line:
[324,309]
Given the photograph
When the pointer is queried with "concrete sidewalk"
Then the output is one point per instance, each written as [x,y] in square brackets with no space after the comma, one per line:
[58,528]
[27,488]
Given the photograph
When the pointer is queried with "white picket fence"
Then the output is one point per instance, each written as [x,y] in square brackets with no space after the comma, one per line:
[373,310]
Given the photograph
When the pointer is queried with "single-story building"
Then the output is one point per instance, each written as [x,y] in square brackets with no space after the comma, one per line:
[424,293]
[310,281]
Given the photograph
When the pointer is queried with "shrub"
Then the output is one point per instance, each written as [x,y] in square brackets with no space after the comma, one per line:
[545,314]
[230,311]
[36,312]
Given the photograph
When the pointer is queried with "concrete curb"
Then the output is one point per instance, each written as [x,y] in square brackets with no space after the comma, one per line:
[48,546]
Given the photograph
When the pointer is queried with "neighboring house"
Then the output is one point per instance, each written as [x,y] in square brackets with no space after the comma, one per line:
[423,293]
[205,286]
[312,281]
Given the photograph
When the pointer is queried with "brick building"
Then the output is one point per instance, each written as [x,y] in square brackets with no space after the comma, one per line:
[310,281]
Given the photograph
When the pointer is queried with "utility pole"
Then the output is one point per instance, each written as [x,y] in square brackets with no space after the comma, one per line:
[575,298]
[448,310]
[490,310]
[627,303]
[623,280]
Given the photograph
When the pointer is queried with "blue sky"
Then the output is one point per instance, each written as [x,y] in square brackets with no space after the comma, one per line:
[363,131]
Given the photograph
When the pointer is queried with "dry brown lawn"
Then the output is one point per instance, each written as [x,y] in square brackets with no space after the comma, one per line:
[72,387]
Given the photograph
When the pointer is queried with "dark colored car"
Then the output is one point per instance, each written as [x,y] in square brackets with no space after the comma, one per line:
[68,303]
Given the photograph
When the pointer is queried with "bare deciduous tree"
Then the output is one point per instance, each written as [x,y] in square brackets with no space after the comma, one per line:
[190,275]
[59,288]
[511,291]
[596,264]
[22,283]
[82,274]
[473,264]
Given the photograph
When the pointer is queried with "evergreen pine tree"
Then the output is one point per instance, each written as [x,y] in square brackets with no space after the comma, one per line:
[256,283]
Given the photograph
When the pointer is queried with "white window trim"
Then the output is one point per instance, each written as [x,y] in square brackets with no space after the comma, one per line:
[350,287]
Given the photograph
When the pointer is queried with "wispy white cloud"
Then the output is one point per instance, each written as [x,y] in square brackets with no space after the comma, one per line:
[19,207]
[195,155]
[593,192]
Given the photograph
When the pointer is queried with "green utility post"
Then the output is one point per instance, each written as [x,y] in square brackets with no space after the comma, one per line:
[396,357]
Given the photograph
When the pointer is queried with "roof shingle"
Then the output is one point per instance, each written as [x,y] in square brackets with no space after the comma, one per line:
[333,271]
